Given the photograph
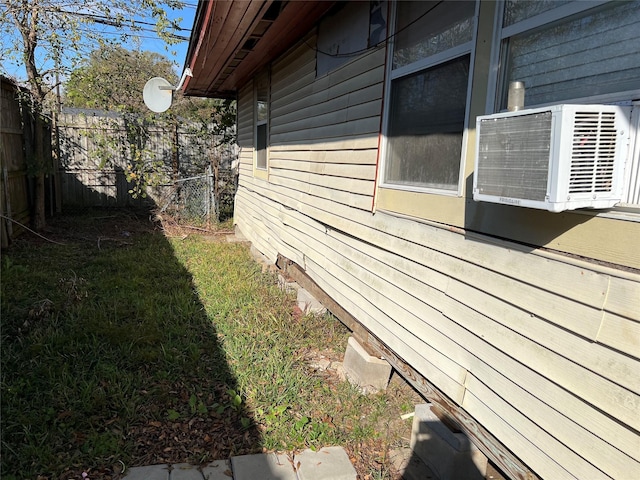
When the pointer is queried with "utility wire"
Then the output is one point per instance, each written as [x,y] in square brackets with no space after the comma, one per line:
[116,23]
[377,45]
[136,35]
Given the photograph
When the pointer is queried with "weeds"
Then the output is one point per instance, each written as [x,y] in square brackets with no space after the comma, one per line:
[162,350]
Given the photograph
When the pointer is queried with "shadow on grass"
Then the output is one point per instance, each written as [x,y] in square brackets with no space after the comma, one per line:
[108,356]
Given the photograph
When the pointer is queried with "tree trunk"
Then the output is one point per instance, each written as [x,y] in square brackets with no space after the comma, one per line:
[38,219]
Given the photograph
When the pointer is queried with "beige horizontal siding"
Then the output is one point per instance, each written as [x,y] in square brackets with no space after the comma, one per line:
[366,126]
[351,156]
[288,113]
[357,171]
[334,144]
[341,104]
[345,184]
[517,364]
[346,114]
[362,202]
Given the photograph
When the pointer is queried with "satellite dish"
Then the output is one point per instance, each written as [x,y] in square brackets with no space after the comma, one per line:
[157,94]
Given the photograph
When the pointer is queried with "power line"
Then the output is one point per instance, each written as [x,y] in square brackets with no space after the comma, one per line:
[137,35]
[378,44]
[111,22]
[115,23]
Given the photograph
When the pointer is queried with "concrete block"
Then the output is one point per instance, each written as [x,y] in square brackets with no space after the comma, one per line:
[369,373]
[151,472]
[308,304]
[289,286]
[269,466]
[329,463]
[238,237]
[185,471]
[450,455]
[218,470]
[267,264]
[410,465]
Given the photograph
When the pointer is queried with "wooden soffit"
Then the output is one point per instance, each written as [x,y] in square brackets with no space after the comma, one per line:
[232,40]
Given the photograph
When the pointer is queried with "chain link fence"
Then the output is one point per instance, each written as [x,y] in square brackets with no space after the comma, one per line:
[191,200]
[201,199]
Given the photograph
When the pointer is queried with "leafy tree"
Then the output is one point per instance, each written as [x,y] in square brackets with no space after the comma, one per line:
[112,78]
[50,37]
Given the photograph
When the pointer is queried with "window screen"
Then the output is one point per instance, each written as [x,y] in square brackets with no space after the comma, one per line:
[426,122]
[425,116]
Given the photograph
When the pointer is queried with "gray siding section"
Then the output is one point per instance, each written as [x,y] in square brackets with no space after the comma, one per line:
[321,130]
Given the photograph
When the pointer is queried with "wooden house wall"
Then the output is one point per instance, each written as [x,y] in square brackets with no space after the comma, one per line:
[541,349]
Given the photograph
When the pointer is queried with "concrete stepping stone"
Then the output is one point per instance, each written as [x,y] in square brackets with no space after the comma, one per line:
[150,472]
[267,466]
[185,471]
[218,470]
[329,463]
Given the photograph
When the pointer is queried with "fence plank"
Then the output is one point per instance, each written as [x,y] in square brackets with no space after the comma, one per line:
[95,157]
[14,194]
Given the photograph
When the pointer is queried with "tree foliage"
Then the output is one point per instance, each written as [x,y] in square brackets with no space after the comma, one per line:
[50,37]
[112,78]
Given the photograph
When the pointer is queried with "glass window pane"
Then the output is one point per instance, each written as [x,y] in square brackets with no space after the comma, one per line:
[262,118]
[440,26]
[517,10]
[262,111]
[262,97]
[593,54]
[261,146]
[426,122]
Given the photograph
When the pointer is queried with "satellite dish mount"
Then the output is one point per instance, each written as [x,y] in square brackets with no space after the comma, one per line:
[158,92]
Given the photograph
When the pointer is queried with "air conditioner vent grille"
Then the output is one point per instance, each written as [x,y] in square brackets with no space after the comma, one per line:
[557,158]
[593,152]
[514,156]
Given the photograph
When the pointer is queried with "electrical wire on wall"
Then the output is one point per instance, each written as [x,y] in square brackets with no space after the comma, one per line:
[379,44]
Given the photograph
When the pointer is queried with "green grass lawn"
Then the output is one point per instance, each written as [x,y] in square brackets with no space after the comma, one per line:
[122,347]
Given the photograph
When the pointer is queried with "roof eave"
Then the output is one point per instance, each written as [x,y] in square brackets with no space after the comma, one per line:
[232,40]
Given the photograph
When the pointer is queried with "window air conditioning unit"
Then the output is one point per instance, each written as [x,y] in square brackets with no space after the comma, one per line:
[556,158]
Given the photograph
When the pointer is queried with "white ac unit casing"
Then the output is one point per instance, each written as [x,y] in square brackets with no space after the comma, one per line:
[556,158]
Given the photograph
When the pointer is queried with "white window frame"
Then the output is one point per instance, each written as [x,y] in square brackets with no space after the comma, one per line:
[467,48]
[625,211]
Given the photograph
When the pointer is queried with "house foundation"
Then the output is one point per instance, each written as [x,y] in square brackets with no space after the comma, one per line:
[447,451]
[370,374]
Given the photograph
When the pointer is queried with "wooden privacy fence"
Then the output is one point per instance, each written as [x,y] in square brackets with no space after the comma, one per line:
[16,148]
[98,149]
